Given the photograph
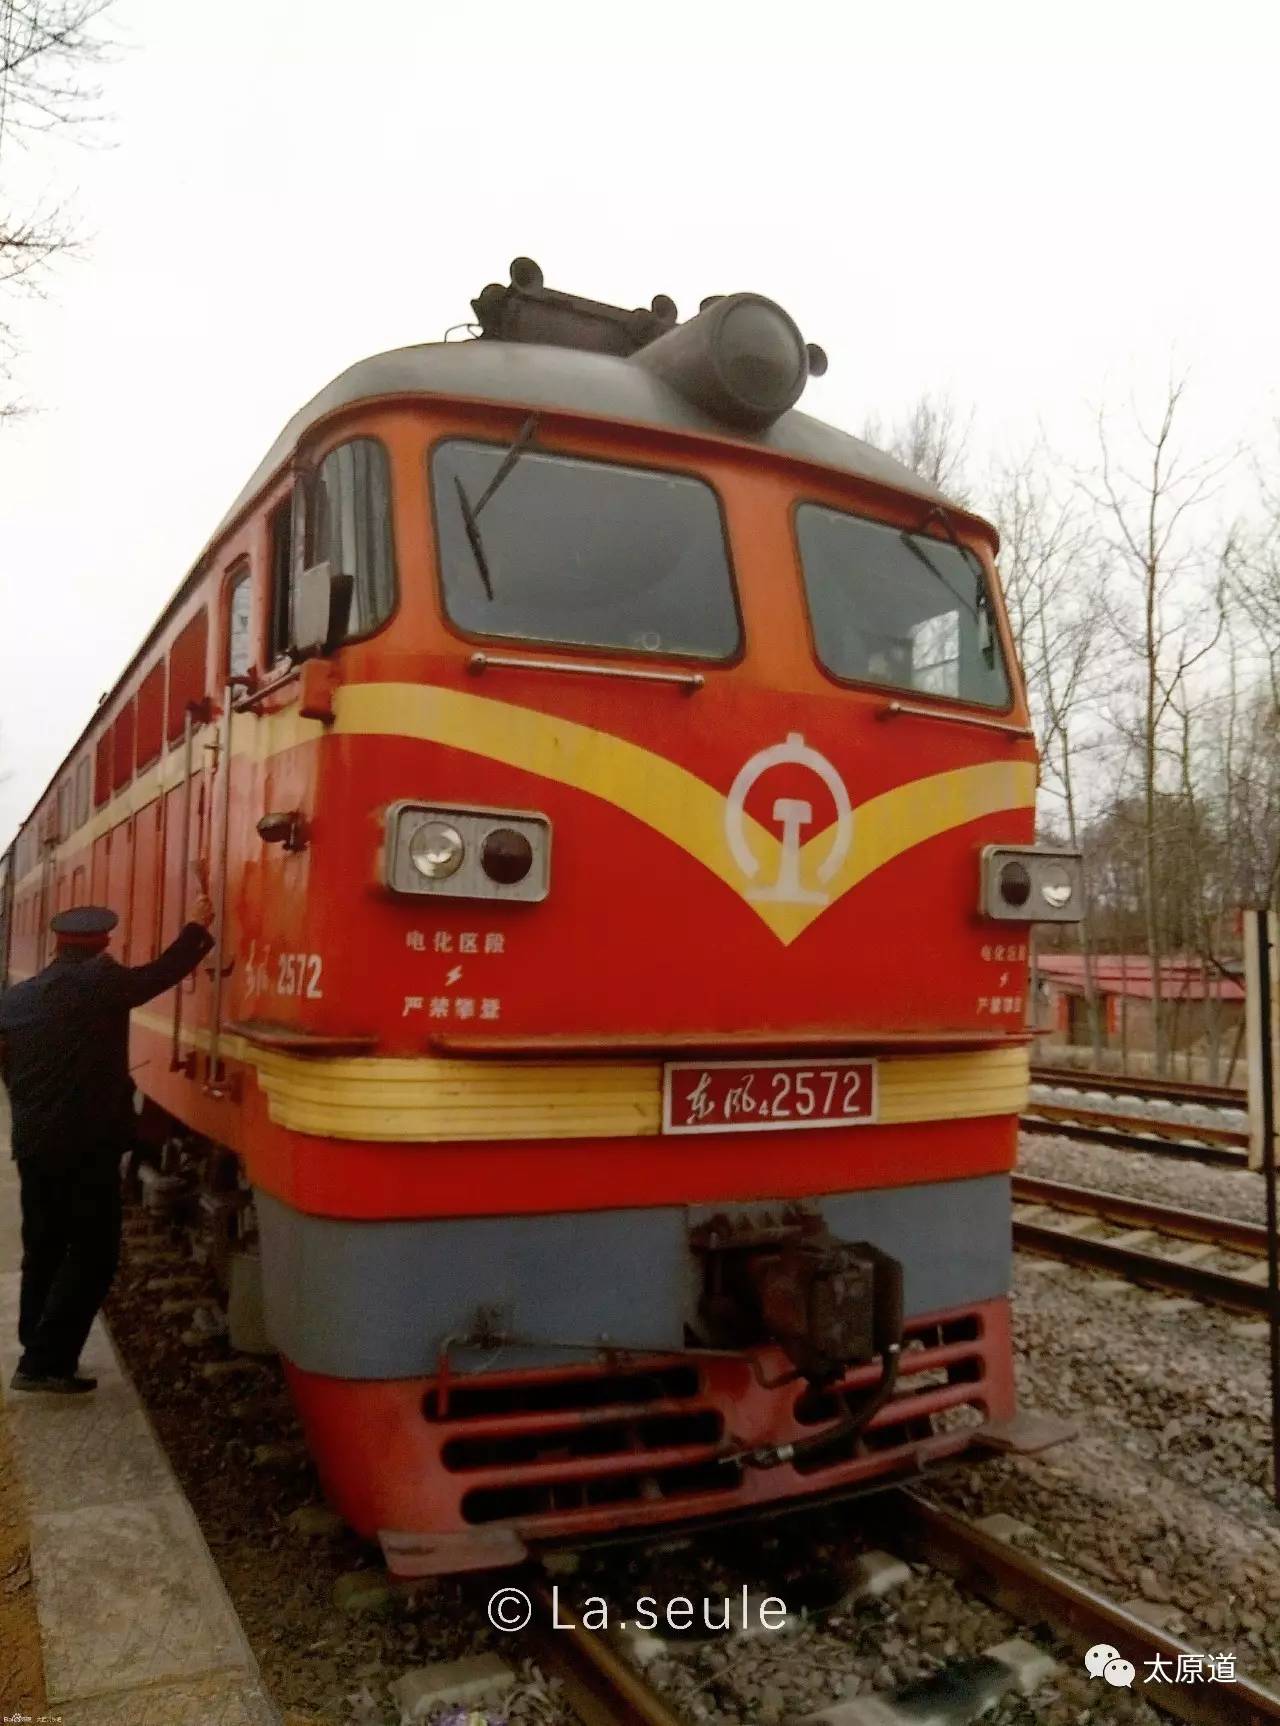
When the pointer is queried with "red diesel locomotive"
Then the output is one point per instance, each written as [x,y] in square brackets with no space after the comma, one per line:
[616,790]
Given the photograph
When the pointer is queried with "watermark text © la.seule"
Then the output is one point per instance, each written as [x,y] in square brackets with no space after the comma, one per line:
[511,1609]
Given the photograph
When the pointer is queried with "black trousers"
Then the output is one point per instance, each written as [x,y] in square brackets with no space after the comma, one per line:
[70,1250]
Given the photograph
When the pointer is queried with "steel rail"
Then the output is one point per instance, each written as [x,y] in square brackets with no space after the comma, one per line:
[1235,1137]
[1172,1276]
[1157,1090]
[1213,1155]
[1221,1145]
[603,1689]
[1226,1232]
[1038,1593]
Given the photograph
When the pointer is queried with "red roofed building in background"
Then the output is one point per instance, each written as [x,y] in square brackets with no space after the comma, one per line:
[1201,999]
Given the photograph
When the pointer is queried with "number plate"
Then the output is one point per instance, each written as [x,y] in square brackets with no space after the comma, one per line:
[766,1096]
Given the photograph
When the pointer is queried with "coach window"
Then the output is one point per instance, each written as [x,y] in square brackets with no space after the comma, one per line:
[240,626]
[349,527]
[584,553]
[903,610]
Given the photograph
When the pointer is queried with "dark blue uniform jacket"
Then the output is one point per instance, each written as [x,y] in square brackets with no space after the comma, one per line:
[64,1049]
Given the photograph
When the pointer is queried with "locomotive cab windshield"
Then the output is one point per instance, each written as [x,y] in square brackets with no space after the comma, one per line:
[900,609]
[585,553]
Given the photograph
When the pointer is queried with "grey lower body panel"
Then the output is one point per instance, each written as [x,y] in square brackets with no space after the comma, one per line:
[354,1299]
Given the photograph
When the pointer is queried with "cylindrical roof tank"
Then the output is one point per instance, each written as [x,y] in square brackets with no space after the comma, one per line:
[742,360]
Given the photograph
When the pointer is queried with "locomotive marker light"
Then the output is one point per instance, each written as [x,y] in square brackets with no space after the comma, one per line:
[1028,884]
[459,853]
[506,856]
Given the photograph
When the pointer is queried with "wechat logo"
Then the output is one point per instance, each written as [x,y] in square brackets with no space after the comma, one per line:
[1104,1661]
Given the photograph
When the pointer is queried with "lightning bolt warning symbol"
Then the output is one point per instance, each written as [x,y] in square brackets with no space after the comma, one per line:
[455,975]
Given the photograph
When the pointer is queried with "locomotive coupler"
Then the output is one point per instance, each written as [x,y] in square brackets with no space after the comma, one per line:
[828,1304]
[785,1278]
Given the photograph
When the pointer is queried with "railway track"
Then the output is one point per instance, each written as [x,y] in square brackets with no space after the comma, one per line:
[1153,1090]
[1228,1147]
[1035,1592]
[605,1688]
[602,1687]
[1143,1224]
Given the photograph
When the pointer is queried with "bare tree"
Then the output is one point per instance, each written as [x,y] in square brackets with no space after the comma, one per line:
[1145,513]
[930,439]
[46,46]
[1253,580]
[1053,585]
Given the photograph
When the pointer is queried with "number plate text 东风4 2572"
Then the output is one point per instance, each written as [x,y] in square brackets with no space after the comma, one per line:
[762,1096]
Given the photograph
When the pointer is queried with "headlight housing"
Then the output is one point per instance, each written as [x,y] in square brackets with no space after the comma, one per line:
[450,852]
[1031,884]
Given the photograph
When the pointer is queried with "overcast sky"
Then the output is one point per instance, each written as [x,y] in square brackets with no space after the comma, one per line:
[1032,206]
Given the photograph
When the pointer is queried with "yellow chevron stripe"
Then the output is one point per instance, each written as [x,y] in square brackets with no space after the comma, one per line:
[666,797]
[671,800]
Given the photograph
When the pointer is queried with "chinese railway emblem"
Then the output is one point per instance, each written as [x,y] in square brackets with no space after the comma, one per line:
[792,814]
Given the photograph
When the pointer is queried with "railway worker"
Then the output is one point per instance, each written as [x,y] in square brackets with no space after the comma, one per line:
[64,1041]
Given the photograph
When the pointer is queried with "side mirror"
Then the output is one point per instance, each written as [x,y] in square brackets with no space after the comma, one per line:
[321,610]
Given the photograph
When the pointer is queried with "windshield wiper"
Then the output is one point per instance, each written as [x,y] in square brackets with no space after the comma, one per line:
[473,538]
[470,512]
[917,551]
[948,527]
[982,607]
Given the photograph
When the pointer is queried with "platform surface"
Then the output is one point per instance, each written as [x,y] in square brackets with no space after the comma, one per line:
[136,1627]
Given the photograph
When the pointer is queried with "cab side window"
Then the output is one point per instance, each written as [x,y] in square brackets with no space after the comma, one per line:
[349,527]
[240,626]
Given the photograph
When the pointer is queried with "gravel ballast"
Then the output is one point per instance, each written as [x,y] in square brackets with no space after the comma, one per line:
[1191,1186]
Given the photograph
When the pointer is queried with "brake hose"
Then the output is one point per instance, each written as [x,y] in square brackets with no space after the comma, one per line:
[854,1421]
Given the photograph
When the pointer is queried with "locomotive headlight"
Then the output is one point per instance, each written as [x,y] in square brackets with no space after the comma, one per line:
[1028,884]
[742,360]
[760,356]
[459,853]
[436,850]
[1056,887]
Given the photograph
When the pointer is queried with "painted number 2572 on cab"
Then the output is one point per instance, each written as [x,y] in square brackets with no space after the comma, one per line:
[299,974]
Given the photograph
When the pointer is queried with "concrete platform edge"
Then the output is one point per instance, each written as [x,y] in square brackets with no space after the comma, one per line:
[136,1625]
